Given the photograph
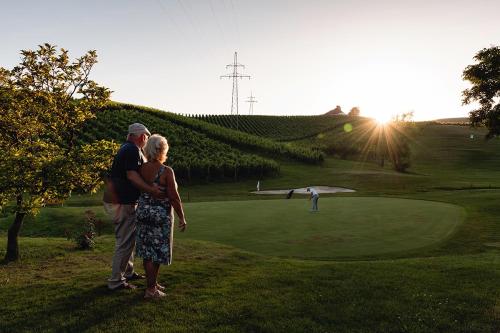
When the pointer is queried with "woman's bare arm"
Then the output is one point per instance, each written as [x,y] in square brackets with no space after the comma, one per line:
[173,196]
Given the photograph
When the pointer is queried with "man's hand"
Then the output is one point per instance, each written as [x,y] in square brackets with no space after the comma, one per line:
[138,182]
[157,192]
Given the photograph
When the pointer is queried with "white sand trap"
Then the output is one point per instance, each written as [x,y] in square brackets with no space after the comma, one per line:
[320,189]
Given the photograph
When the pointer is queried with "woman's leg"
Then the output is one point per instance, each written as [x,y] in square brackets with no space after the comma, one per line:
[151,274]
[156,270]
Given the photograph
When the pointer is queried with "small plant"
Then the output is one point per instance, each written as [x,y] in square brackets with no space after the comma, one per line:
[85,237]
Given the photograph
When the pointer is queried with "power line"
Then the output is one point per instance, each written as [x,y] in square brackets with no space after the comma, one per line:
[217,22]
[236,19]
[178,30]
[235,75]
[197,30]
[251,100]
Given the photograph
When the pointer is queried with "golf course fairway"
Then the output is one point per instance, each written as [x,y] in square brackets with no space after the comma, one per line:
[343,228]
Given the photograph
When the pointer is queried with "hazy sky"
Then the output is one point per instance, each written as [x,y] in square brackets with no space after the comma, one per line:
[304,57]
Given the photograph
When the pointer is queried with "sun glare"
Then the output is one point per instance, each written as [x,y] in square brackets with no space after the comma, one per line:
[382,119]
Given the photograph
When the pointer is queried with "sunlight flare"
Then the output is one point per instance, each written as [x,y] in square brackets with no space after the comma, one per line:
[383,119]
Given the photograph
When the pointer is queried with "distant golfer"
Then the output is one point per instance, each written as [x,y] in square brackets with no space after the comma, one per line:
[258,185]
[314,197]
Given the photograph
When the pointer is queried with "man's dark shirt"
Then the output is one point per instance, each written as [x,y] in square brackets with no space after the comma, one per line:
[128,158]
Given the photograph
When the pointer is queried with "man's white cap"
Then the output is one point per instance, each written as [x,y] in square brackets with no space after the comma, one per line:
[138,129]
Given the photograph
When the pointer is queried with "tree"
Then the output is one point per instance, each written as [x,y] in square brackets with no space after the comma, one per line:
[392,141]
[355,112]
[404,117]
[485,79]
[43,103]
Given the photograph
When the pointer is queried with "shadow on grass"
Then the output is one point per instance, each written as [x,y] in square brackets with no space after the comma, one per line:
[73,312]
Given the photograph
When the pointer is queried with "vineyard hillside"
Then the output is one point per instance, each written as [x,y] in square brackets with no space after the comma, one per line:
[340,136]
[235,138]
[280,128]
[199,151]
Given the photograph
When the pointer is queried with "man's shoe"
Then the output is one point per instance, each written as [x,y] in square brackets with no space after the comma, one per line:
[135,276]
[125,285]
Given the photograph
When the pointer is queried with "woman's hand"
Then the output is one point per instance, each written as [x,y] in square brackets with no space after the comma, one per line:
[182,225]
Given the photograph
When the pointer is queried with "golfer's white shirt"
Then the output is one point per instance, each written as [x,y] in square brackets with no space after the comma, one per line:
[313,192]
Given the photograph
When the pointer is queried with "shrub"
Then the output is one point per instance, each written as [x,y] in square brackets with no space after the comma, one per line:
[85,236]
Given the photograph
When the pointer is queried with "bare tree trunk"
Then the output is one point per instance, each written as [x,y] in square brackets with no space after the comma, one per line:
[13,234]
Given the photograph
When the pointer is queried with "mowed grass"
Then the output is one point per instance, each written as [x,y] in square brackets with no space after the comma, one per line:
[343,228]
[58,221]
[216,288]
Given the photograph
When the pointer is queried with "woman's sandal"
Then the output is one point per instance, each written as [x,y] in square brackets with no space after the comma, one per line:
[160,287]
[154,295]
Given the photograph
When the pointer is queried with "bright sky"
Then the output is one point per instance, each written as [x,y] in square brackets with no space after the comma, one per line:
[304,57]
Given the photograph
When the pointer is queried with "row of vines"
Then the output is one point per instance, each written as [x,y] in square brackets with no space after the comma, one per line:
[281,128]
[238,139]
[193,155]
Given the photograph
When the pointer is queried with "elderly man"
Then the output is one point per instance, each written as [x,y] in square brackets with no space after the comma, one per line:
[124,185]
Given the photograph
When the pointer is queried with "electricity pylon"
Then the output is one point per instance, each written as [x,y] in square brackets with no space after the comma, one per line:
[235,75]
[251,100]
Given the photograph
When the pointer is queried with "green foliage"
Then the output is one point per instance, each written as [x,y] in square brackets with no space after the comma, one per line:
[394,143]
[485,79]
[404,117]
[43,101]
[400,154]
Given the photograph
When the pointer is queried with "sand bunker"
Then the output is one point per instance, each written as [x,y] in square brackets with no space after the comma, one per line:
[320,189]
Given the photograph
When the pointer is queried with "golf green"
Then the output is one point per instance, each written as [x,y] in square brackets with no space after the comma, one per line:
[344,227]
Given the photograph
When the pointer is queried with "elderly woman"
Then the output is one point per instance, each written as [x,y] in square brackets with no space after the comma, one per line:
[154,216]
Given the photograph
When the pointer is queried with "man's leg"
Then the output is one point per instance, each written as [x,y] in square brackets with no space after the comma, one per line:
[125,243]
[315,202]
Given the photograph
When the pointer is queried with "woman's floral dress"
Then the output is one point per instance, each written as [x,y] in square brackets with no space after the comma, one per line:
[154,227]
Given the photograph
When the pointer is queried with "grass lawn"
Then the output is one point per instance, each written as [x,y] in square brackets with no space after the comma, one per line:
[344,227]
[215,288]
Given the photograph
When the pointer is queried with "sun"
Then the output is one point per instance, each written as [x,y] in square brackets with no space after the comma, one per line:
[382,118]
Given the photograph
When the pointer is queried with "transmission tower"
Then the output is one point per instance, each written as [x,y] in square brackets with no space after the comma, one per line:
[235,75]
[251,100]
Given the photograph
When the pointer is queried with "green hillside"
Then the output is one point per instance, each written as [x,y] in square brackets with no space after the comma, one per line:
[280,128]
[237,139]
[458,152]
[193,155]
[458,120]
[199,151]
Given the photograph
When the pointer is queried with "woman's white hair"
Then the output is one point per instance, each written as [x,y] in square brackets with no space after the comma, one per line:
[156,146]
